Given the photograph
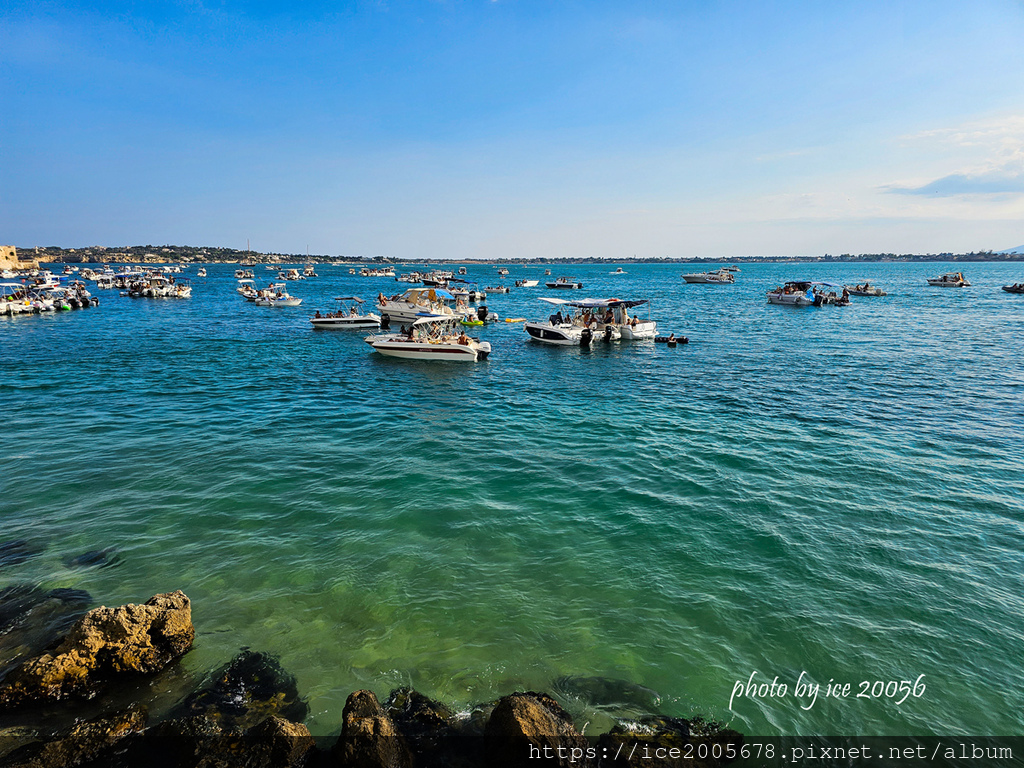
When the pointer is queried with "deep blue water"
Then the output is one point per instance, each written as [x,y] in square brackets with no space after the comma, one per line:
[837,490]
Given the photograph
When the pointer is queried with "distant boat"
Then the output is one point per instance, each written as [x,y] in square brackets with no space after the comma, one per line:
[564,282]
[949,280]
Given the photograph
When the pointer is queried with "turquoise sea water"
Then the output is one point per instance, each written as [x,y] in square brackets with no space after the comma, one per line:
[838,491]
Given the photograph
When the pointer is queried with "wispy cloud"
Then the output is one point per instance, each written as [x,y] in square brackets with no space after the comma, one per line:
[990,155]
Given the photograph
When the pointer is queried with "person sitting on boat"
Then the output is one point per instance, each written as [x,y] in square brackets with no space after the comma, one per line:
[608,317]
[380,298]
[633,322]
[352,311]
[464,339]
[318,315]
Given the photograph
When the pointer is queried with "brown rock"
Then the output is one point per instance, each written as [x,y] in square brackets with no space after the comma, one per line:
[278,743]
[105,644]
[201,741]
[531,729]
[369,738]
[83,743]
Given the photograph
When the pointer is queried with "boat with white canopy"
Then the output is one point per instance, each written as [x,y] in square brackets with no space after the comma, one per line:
[431,337]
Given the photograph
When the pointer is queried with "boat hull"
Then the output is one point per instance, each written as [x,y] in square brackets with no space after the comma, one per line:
[638,332]
[443,351]
[362,322]
[703,279]
[561,335]
[789,299]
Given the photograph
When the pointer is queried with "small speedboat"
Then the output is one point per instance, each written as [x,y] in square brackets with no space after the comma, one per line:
[864,289]
[526,283]
[348,315]
[1016,288]
[276,296]
[717,277]
[565,283]
[806,293]
[618,271]
[949,280]
[431,337]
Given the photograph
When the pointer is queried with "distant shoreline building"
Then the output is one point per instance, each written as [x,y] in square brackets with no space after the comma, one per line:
[9,259]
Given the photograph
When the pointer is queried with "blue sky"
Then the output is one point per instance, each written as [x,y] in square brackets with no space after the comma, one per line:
[514,129]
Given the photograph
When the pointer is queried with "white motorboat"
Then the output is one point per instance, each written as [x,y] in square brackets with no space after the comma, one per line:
[405,308]
[564,282]
[276,296]
[309,271]
[14,299]
[201,272]
[805,293]
[502,271]
[431,337]
[618,271]
[348,315]
[247,289]
[575,328]
[716,277]
[864,289]
[949,280]
[607,319]
[497,289]
[527,283]
[792,294]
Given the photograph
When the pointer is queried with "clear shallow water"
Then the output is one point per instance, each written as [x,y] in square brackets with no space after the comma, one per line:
[836,490]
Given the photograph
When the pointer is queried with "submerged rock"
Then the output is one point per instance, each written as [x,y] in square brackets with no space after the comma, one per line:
[246,691]
[369,738]
[104,645]
[32,620]
[96,558]
[666,742]
[531,729]
[609,693]
[18,551]
[82,744]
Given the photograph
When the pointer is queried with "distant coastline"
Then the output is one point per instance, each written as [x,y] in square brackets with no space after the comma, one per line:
[150,254]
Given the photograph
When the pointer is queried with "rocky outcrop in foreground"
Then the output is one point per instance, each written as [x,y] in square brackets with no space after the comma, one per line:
[248,713]
[105,645]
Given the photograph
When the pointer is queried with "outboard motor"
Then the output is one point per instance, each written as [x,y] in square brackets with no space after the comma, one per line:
[385,321]
[607,333]
[586,337]
[481,313]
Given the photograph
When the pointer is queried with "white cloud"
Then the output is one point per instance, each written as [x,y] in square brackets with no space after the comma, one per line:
[982,158]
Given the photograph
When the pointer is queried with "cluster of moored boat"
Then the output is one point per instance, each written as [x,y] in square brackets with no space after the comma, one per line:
[44,296]
[274,295]
[807,293]
[431,323]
